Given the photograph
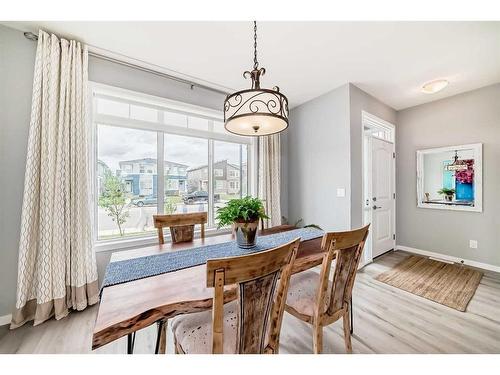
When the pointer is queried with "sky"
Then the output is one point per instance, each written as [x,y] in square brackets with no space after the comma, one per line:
[118,144]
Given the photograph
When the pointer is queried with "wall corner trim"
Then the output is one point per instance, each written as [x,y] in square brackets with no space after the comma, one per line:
[468,262]
[6,319]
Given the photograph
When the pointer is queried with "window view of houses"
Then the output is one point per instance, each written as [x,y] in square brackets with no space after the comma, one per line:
[128,187]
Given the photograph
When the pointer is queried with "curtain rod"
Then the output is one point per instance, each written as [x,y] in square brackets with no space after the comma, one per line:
[34,37]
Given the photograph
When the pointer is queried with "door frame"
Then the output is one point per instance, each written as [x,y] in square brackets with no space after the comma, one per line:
[371,124]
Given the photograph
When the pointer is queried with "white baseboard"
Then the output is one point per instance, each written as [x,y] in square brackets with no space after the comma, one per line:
[4,320]
[472,263]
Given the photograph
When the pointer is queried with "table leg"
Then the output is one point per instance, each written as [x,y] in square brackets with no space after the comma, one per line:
[130,343]
[161,338]
[352,321]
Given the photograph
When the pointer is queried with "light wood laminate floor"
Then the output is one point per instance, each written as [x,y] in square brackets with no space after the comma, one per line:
[386,320]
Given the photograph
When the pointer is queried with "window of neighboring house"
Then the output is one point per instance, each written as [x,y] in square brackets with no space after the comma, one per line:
[128,127]
[172,184]
[146,185]
[128,187]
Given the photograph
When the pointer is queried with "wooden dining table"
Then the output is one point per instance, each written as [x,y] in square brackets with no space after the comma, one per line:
[128,307]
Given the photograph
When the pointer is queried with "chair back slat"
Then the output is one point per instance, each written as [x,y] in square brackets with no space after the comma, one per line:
[260,296]
[347,248]
[255,302]
[181,225]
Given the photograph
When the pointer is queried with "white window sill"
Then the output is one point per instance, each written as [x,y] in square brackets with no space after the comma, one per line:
[131,243]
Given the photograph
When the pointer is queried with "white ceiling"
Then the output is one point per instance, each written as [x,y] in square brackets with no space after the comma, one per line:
[390,60]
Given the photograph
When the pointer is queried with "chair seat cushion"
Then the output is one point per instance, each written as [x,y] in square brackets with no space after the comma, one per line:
[193,332]
[303,292]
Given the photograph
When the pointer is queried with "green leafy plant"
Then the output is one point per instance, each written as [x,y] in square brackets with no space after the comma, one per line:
[446,191]
[299,222]
[242,210]
[113,200]
[170,206]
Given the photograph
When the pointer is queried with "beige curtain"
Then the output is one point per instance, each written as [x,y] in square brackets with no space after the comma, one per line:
[57,268]
[270,178]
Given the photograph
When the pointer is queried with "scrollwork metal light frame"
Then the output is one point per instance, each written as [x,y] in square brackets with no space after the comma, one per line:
[256,101]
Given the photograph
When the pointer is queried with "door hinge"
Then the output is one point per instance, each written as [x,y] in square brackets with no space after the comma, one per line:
[394,195]
[393,236]
[394,155]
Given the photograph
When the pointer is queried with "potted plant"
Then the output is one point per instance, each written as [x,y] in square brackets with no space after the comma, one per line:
[448,193]
[244,214]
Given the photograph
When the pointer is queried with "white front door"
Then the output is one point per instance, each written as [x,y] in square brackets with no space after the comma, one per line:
[382,200]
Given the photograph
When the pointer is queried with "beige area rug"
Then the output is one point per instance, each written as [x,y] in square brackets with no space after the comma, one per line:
[448,284]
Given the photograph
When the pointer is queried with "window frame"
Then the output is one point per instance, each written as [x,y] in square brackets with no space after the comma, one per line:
[98,90]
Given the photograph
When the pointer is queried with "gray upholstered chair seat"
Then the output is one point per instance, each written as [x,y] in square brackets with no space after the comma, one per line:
[193,332]
[303,292]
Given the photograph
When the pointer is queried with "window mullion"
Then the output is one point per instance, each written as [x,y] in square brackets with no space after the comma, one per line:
[160,172]
[211,216]
[241,171]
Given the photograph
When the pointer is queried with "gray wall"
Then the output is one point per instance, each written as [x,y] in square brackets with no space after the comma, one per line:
[473,117]
[17,56]
[318,160]
[361,101]
[325,153]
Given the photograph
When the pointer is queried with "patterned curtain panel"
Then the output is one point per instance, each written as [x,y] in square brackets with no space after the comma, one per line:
[270,178]
[57,268]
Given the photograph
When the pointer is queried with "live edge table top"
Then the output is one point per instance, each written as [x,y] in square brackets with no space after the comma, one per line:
[131,306]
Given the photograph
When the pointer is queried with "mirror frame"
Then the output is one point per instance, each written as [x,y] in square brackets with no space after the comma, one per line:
[478,177]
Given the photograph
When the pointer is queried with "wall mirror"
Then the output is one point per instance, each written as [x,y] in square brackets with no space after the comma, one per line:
[450,178]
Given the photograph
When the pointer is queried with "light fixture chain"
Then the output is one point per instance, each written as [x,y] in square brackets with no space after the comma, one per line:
[255,62]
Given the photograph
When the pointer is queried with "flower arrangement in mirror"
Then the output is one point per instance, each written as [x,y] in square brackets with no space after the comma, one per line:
[466,176]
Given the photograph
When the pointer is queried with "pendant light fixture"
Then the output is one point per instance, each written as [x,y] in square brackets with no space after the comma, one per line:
[256,111]
[457,165]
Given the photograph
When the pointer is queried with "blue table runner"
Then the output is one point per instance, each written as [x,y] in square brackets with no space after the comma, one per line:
[152,265]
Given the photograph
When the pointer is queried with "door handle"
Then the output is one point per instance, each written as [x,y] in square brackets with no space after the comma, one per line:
[375,207]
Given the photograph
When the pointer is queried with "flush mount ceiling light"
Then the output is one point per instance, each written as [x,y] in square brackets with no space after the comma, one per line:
[434,86]
[256,111]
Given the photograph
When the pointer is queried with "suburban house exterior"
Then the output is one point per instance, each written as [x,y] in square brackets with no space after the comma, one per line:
[227,178]
[140,176]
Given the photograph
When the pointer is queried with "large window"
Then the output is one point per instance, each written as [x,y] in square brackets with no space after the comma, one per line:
[145,145]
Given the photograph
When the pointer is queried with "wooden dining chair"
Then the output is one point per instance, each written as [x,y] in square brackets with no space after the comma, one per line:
[315,299]
[181,230]
[251,324]
[181,225]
